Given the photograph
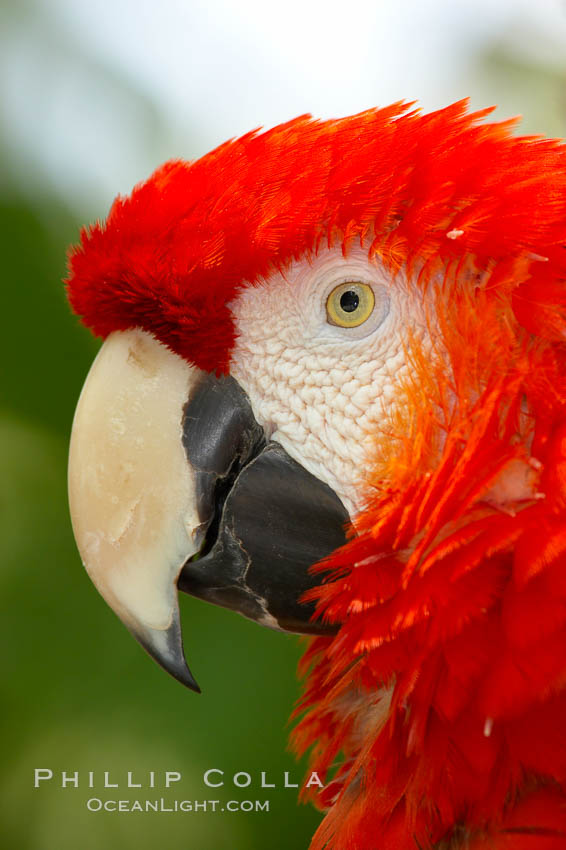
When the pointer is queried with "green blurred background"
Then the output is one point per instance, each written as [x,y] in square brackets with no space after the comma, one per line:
[93,98]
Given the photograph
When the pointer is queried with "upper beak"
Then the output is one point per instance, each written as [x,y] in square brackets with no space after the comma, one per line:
[172,484]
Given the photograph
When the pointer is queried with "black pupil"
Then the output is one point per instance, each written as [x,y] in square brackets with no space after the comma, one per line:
[349,301]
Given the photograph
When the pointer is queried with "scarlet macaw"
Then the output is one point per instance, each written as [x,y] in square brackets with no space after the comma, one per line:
[342,343]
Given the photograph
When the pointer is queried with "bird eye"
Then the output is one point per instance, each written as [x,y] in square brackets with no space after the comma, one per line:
[350,304]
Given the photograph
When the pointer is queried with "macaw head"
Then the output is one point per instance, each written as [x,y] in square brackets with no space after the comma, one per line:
[340,344]
[297,325]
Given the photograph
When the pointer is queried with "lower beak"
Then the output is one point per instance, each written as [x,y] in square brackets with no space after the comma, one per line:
[172,484]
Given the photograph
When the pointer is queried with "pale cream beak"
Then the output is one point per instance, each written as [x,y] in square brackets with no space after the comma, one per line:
[132,491]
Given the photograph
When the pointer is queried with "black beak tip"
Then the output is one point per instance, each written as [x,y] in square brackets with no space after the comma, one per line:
[166,648]
[185,677]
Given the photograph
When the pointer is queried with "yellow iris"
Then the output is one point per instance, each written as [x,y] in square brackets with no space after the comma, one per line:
[350,304]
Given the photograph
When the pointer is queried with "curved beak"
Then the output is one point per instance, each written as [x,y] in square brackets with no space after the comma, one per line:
[172,484]
[131,491]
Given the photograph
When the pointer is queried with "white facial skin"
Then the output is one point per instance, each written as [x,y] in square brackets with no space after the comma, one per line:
[322,391]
